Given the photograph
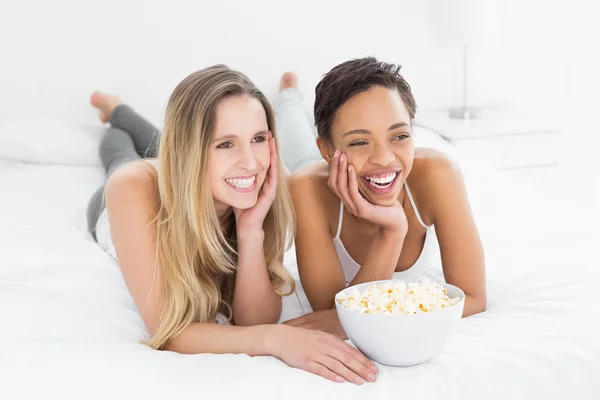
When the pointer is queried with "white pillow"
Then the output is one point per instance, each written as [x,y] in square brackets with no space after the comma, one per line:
[47,141]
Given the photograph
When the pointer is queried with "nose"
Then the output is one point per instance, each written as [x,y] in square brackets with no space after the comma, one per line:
[247,159]
[382,155]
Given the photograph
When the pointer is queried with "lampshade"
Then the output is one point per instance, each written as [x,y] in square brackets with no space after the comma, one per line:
[464,21]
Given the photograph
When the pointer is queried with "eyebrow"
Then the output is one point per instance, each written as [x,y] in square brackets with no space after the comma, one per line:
[368,132]
[228,137]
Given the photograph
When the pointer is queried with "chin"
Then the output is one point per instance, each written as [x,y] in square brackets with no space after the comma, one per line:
[386,200]
[243,204]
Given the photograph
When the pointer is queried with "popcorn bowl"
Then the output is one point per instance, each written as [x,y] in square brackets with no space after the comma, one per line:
[397,339]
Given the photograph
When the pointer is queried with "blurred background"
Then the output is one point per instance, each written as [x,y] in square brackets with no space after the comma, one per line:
[537,58]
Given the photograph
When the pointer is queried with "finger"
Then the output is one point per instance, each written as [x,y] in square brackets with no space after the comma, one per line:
[295,322]
[353,193]
[352,363]
[269,188]
[274,170]
[320,370]
[358,355]
[339,369]
[333,173]
[342,183]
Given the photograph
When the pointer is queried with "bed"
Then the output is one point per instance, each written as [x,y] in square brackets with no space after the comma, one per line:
[71,330]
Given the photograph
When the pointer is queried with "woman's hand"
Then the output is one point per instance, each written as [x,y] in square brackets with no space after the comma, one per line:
[253,218]
[326,321]
[343,182]
[320,353]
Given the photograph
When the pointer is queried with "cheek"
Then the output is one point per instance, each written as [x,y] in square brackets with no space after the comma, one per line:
[217,167]
[263,156]
[357,160]
[406,152]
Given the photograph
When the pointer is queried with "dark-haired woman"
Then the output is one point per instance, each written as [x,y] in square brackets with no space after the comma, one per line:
[373,206]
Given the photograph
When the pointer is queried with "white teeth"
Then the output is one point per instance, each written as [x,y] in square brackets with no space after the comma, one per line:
[241,183]
[382,180]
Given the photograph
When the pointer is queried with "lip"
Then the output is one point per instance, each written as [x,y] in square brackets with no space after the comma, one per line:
[243,190]
[381,172]
[382,191]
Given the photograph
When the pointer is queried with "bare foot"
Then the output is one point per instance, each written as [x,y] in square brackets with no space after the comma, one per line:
[105,103]
[288,80]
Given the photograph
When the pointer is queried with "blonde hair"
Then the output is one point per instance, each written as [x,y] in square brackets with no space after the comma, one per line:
[192,247]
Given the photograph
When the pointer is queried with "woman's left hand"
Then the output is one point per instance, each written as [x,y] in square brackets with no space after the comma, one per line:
[252,218]
[326,321]
[343,181]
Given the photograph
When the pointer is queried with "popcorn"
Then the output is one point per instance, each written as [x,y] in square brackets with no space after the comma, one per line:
[397,298]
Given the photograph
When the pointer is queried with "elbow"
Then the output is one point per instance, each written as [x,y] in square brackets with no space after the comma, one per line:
[265,316]
[176,345]
[474,305]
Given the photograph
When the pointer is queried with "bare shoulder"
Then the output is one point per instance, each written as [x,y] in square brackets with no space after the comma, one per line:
[136,181]
[310,181]
[432,163]
[433,177]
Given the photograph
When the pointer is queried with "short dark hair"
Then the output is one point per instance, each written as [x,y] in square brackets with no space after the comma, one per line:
[353,77]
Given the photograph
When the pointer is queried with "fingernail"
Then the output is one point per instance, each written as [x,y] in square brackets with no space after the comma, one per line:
[337,153]
[374,369]
[339,379]
[371,377]
[359,381]
[342,157]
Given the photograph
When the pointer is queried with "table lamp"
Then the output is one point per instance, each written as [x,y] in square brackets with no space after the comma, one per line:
[464,23]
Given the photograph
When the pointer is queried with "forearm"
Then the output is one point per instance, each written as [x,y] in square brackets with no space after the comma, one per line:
[200,338]
[255,301]
[382,258]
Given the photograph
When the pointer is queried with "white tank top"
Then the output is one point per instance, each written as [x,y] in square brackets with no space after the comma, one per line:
[420,269]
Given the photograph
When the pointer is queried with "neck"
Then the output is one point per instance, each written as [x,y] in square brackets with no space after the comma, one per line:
[226,218]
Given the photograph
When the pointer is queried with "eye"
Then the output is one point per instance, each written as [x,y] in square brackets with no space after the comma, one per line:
[259,139]
[402,136]
[225,145]
[358,143]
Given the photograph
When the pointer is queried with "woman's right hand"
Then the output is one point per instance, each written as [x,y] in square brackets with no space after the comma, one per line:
[320,353]
[344,183]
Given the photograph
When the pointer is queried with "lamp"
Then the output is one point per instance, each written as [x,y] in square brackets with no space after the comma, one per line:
[464,23]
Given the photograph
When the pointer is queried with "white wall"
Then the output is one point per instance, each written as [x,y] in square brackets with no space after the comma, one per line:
[53,54]
[141,49]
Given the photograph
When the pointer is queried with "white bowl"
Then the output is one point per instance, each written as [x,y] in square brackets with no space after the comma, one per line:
[402,340]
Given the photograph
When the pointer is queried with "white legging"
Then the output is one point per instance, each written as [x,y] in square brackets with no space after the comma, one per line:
[297,134]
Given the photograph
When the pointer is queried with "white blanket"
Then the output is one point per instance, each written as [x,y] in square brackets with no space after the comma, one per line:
[70,330]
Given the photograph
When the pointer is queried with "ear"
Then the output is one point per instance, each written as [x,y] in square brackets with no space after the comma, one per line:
[326,150]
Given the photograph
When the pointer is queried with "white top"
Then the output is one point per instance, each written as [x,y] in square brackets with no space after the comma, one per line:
[103,234]
[428,257]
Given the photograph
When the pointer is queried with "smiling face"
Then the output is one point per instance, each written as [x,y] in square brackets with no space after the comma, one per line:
[239,153]
[373,128]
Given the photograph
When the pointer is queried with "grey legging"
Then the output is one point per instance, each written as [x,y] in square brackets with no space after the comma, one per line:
[131,137]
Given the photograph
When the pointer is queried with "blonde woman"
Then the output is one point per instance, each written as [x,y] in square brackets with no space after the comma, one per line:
[199,231]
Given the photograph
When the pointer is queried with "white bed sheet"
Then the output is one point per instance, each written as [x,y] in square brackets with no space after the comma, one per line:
[69,328]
